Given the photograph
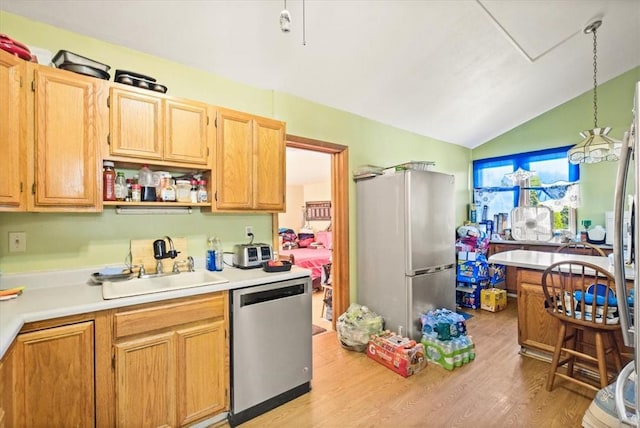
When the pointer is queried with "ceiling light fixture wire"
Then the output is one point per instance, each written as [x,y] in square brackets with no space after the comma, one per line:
[304,31]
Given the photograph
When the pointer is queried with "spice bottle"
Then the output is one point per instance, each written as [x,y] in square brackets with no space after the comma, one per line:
[120,187]
[129,184]
[108,181]
[203,196]
[193,194]
[136,192]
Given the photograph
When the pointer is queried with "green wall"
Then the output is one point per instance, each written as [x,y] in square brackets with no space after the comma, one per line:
[58,241]
[61,241]
[561,126]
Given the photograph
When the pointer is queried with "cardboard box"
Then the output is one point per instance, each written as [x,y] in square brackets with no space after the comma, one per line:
[493,299]
[400,354]
[472,272]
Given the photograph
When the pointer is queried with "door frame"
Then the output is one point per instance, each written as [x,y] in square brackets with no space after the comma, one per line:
[340,218]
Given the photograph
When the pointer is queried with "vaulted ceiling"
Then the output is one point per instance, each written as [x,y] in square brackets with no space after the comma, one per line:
[461,71]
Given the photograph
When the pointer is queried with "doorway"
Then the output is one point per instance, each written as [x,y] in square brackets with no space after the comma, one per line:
[339,219]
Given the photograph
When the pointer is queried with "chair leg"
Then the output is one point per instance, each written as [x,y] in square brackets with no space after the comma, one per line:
[556,356]
[324,302]
[602,360]
[576,345]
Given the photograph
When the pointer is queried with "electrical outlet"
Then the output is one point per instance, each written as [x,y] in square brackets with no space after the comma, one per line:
[17,242]
[248,231]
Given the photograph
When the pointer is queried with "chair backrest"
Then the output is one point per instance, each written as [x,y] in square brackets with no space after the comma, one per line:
[327,273]
[583,248]
[581,293]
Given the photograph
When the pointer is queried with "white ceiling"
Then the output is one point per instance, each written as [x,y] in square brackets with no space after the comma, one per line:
[461,71]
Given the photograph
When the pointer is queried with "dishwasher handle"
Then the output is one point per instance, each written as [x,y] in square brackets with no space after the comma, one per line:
[257,297]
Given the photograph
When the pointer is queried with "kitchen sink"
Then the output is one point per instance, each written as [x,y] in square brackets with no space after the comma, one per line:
[160,283]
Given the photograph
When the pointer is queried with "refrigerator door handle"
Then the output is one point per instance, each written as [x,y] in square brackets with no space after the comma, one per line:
[623,378]
[434,269]
[618,244]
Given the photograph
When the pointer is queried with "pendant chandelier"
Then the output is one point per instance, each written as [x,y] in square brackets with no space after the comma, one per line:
[596,146]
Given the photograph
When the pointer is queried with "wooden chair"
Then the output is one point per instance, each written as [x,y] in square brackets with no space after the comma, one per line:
[572,291]
[583,248]
[327,288]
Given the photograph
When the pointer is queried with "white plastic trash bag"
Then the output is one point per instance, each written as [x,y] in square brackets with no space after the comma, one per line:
[356,326]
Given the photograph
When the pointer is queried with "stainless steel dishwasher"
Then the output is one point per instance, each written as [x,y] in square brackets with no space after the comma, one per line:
[270,346]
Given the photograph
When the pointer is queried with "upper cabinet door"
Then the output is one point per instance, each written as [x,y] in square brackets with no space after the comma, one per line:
[12,123]
[269,166]
[234,166]
[186,136]
[65,155]
[136,124]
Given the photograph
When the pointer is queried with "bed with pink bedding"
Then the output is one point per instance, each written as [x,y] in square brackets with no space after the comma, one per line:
[314,257]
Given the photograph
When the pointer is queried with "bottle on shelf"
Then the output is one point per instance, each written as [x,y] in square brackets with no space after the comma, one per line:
[148,188]
[193,194]
[108,181]
[129,189]
[120,187]
[136,192]
[203,196]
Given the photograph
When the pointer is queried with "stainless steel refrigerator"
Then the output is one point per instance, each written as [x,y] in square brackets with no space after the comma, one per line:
[627,266]
[406,246]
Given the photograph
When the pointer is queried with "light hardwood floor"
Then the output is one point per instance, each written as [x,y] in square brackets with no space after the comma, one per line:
[499,389]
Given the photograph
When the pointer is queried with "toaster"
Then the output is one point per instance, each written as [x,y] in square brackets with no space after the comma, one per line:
[247,256]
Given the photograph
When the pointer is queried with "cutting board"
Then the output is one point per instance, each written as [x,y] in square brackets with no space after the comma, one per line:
[142,253]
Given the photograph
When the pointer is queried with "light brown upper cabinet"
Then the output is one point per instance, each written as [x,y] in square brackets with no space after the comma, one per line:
[250,163]
[147,127]
[12,133]
[63,129]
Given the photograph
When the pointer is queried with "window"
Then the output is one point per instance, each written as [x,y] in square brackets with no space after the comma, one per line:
[542,177]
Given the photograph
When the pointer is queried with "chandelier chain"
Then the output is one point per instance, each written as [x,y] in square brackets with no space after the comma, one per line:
[595,79]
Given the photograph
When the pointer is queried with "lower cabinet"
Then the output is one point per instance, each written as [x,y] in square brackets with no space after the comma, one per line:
[53,377]
[171,362]
[537,329]
[168,366]
[7,382]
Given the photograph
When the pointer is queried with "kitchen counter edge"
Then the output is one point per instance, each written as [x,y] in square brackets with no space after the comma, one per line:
[540,260]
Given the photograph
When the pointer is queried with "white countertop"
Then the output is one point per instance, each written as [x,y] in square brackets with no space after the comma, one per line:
[540,260]
[56,294]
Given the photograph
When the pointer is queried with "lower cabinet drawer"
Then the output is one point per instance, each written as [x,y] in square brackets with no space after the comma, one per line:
[144,319]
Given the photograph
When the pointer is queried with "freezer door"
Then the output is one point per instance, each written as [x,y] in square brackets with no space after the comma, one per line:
[430,220]
[428,292]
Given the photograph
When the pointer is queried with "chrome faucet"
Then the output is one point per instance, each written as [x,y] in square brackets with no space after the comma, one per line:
[159,268]
[190,265]
[142,271]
